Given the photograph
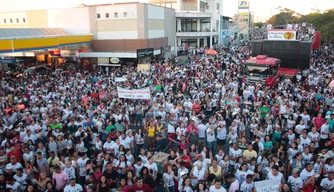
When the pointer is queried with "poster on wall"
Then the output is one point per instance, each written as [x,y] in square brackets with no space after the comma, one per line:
[146,68]
[284,34]
[134,93]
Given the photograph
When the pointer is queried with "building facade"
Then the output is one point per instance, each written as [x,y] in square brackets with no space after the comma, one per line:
[118,30]
[197,21]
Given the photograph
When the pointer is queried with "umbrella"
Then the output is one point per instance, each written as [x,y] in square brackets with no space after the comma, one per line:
[211,52]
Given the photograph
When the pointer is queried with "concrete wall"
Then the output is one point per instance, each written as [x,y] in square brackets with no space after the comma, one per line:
[75,20]
[170,28]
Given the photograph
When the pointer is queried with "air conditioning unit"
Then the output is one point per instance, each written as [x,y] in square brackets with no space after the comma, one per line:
[207,6]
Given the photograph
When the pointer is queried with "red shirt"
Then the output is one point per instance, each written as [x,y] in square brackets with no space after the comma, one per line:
[310,188]
[197,108]
[318,122]
[144,188]
[187,160]
[16,153]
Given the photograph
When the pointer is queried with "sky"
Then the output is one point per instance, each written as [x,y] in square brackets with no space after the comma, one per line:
[263,9]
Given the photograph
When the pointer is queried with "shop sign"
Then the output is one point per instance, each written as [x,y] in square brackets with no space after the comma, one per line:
[145,52]
[114,60]
[7,60]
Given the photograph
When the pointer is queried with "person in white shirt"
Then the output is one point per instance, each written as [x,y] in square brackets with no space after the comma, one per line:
[73,186]
[234,182]
[327,184]
[275,174]
[152,167]
[248,185]
[307,172]
[296,182]
[217,186]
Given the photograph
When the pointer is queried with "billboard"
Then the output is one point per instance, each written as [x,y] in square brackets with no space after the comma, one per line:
[243,4]
[285,35]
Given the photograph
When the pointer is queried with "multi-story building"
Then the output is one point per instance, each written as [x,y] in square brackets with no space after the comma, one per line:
[118,30]
[197,21]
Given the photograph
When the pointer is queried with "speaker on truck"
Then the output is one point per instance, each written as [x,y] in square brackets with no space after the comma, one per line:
[305,54]
[287,51]
[257,48]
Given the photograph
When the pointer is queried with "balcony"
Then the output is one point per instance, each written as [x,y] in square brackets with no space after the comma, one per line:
[192,15]
[196,34]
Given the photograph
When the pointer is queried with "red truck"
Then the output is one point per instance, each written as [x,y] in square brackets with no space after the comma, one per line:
[265,70]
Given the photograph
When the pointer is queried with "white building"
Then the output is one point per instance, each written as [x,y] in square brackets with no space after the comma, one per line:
[197,21]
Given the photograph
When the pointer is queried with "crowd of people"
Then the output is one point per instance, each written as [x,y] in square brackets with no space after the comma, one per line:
[71,132]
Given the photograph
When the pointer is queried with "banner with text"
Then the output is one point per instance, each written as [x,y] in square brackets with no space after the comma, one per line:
[134,94]
[267,186]
[282,35]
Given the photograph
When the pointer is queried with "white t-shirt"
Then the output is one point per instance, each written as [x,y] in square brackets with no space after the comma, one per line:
[296,183]
[279,177]
[327,185]
[213,189]
[76,188]
[152,166]
[304,175]
[82,166]
[247,187]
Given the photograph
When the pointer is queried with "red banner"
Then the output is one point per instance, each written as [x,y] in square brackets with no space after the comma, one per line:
[316,44]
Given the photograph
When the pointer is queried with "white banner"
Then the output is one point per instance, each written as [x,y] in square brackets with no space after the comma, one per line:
[283,34]
[134,94]
[267,186]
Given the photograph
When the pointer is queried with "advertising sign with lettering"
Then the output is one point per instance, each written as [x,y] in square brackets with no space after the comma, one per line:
[145,52]
[284,34]
[243,4]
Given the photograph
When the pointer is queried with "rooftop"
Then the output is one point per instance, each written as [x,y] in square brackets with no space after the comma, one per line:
[6,33]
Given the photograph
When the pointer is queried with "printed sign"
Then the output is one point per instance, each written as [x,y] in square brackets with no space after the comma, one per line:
[144,68]
[267,186]
[281,35]
[243,4]
[145,52]
[134,94]
[7,60]
[114,60]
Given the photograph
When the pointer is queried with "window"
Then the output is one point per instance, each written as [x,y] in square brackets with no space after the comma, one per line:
[189,5]
[125,14]
[116,15]
[4,21]
[24,20]
[98,15]
[17,20]
[189,25]
[107,15]
[11,20]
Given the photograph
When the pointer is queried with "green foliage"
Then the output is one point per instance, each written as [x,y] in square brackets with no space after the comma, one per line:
[259,24]
[323,22]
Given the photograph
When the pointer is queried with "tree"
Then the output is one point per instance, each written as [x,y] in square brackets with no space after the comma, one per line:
[258,24]
[323,22]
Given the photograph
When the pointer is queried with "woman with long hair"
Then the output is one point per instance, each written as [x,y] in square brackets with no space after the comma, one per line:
[122,165]
[168,178]
[186,186]
[147,177]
